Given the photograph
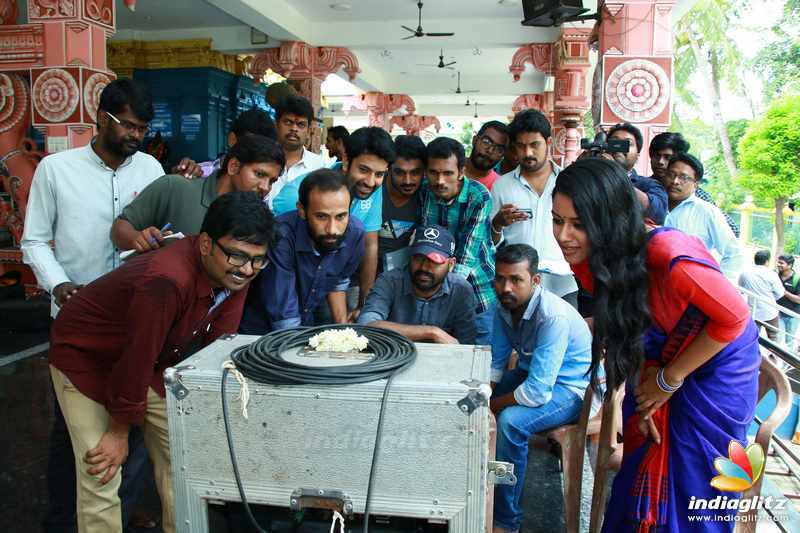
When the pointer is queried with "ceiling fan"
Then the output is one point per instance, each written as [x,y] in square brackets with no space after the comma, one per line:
[458,87]
[419,32]
[441,63]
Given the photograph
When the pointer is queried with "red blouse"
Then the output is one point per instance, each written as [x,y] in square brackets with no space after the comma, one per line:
[672,290]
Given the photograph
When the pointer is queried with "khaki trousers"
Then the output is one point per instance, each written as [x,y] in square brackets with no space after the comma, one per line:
[99,509]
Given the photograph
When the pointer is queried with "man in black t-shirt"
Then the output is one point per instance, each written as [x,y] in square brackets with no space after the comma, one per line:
[401,202]
[790,299]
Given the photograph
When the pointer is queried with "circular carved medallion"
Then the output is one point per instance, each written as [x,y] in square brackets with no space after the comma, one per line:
[637,90]
[55,95]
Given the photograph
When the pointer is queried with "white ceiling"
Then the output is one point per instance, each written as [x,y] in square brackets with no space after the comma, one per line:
[151,15]
[406,11]
[487,33]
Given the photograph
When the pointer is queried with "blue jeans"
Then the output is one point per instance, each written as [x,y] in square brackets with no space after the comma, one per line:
[484,323]
[788,325]
[515,425]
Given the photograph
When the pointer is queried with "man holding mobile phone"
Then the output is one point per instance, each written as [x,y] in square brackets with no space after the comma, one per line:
[522,200]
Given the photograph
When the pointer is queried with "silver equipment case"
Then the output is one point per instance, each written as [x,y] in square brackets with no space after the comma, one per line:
[311,446]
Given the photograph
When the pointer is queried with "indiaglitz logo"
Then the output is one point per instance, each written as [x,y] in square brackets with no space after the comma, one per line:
[741,469]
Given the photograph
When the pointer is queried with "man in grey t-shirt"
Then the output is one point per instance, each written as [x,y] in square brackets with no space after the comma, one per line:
[401,202]
[426,302]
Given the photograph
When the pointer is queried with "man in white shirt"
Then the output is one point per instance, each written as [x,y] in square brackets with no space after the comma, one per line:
[764,283]
[522,202]
[75,197]
[694,216]
[293,119]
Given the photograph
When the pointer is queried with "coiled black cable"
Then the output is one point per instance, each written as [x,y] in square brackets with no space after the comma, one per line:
[262,362]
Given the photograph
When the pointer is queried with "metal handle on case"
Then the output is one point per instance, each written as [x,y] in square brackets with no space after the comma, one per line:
[334,500]
[172,381]
[501,473]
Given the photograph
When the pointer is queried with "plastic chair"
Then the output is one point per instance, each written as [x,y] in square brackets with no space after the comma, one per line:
[609,455]
[572,441]
[770,377]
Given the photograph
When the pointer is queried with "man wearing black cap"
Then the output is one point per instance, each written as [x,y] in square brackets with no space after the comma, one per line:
[426,302]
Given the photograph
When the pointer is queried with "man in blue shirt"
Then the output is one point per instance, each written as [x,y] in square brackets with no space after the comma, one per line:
[426,301]
[368,154]
[318,249]
[546,388]
[693,216]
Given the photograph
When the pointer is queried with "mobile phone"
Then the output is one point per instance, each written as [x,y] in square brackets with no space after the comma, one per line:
[528,212]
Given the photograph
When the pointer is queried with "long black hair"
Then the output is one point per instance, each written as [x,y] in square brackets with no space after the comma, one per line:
[610,212]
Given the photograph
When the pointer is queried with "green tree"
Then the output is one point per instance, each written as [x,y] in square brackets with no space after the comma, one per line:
[769,156]
[467,132]
[779,62]
[720,183]
[703,47]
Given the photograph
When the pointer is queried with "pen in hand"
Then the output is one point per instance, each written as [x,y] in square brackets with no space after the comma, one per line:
[166,227]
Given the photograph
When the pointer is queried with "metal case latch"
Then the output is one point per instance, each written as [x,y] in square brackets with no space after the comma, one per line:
[334,500]
[478,396]
[501,473]
[172,381]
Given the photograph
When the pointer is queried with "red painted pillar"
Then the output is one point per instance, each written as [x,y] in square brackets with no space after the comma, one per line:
[634,82]
[52,71]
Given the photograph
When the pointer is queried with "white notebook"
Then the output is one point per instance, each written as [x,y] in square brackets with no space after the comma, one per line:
[128,253]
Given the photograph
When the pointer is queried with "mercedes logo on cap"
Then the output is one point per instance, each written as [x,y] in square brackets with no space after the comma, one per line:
[431,234]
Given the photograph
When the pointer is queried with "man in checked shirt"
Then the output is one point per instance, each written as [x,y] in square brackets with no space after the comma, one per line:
[463,207]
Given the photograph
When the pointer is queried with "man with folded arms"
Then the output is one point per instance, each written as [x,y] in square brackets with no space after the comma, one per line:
[546,388]
[319,248]
[426,302]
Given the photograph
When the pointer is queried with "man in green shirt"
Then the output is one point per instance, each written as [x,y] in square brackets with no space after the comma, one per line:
[252,164]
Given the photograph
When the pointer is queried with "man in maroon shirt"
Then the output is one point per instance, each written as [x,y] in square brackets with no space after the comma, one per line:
[114,338]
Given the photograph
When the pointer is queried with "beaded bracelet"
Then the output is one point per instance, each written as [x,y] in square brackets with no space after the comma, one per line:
[663,385]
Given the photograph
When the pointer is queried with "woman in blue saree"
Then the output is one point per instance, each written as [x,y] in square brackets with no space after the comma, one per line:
[674,330]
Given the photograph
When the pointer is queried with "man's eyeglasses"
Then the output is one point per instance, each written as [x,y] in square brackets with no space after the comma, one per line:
[239,259]
[683,178]
[491,146]
[130,126]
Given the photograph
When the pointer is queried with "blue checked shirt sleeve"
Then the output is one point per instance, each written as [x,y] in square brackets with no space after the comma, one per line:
[474,235]
[501,349]
[548,355]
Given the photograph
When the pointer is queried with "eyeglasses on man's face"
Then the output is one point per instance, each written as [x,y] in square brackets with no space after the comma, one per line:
[129,126]
[681,178]
[239,259]
[491,146]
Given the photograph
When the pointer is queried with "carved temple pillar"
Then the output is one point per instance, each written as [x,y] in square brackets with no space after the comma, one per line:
[414,124]
[380,107]
[306,67]
[540,55]
[571,57]
[633,78]
[52,71]
[565,65]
